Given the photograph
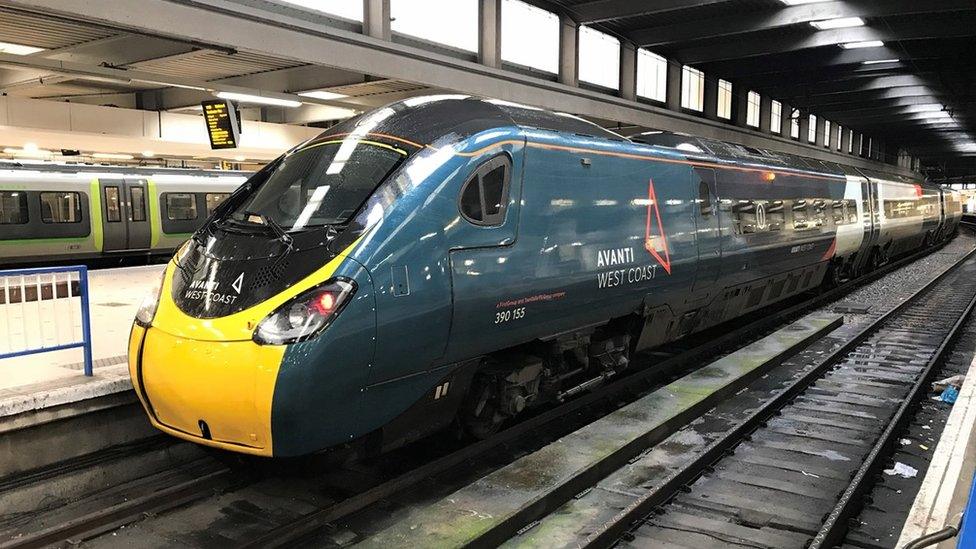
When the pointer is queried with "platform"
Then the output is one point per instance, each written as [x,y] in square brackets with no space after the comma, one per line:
[50,379]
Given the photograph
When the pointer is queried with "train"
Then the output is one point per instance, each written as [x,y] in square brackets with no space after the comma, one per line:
[55,213]
[446,263]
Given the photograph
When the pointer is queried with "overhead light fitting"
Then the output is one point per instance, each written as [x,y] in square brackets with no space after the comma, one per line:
[259,99]
[112,156]
[148,154]
[799,2]
[18,49]
[839,23]
[322,94]
[879,61]
[865,44]
[240,158]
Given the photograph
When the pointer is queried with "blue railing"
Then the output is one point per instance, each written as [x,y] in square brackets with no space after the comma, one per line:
[31,279]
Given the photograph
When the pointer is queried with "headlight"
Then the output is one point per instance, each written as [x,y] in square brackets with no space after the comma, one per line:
[147,311]
[306,315]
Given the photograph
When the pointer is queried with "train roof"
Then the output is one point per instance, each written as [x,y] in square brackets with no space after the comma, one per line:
[428,119]
[139,171]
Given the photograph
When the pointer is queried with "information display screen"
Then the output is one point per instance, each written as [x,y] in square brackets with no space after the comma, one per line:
[222,125]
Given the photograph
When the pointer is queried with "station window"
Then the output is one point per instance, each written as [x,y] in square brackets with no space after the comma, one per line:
[13,208]
[724,108]
[826,141]
[113,210]
[812,129]
[530,36]
[599,58]
[652,75]
[752,109]
[795,125]
[484,196]
[692,88]
[60,207]
[342,8]
[850,141]
[456,23]
[180,206]
[137,197]
[840,135]
[214,200]
[775,116]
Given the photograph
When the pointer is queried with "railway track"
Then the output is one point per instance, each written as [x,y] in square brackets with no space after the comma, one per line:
[668,362]
[795,472]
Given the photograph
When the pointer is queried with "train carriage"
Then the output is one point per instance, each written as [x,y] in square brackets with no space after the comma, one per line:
[455,260]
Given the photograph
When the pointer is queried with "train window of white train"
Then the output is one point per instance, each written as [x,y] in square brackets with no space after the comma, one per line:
[113,211]
[341,8]
[752,109]
[775,116]
[60,207]
[652,75]
[455,25]
[724,108]
[180,206]
[692,89]
[599,58]
[13,208]
[214,200]
[812,129]
[137,203]
[530,36]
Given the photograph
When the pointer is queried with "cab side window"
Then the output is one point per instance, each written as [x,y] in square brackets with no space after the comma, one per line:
[484,197]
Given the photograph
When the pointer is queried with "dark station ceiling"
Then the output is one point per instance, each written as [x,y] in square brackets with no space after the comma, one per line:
[925,101]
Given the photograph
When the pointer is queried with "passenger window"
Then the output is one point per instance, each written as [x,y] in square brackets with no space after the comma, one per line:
[704,200]
[60,207]
[113,211]
[138,205]
[180,206]
[484,197]
[214,200]
[13,208]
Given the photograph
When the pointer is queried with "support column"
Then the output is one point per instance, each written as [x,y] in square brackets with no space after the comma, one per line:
[568,51]
[786,112]
[804,127]
[821,131]
[673,97]
[376,19]
[845,141]
[490,33]
[765,113]
[628,71]
[740,105]
[711,98]
[834,140]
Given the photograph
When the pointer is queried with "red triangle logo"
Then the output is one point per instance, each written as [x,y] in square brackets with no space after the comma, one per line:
[654,222]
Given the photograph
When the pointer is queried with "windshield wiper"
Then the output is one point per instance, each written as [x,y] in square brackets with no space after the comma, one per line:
[277,229]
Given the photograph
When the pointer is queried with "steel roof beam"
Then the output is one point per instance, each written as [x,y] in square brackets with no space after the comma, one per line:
[787,15]
[761,44]
[598,11]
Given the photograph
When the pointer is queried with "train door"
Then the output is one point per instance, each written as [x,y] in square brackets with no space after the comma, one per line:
[125,219]
[709,237]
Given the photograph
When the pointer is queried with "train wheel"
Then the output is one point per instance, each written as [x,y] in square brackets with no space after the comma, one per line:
[480,415]
[833,277]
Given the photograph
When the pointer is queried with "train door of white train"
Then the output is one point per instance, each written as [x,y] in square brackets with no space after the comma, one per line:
[709,234]
[125,217]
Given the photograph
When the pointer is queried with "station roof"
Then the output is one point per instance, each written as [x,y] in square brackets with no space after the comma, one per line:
[917,89]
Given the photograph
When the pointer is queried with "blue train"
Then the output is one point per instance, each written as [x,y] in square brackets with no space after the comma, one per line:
[457,260]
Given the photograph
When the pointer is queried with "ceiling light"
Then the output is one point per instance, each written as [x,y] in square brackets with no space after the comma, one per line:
[30,147]
[260,99]
[240,158]
[112,156]
[799,2]
[839,23]
[865,44]
[18,49]
[148,154]
[322,94]
[35,152]
[878,61]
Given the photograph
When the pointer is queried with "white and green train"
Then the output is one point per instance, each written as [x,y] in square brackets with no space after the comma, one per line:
[56,213]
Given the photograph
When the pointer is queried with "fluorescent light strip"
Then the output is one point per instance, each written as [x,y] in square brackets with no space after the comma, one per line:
[18,49]
[799,2]
[112,156]
[259,99]
[865,44]
[322,94]
[839,23]
[879,61]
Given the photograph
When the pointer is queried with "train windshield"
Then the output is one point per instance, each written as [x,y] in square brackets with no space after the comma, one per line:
[320,184]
